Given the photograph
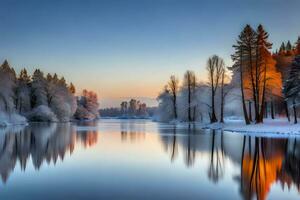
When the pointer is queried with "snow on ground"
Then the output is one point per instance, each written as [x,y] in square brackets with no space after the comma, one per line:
[12,119]
[277,126]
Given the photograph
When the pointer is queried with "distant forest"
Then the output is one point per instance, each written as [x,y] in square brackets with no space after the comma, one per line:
[131,109]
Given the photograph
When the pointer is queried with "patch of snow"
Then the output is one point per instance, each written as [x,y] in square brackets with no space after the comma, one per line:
[277,126]
[42,114]
[11,119]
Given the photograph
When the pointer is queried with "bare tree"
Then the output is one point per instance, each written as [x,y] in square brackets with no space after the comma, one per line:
[215,68]
[189,78]
[225,90]
[174,85]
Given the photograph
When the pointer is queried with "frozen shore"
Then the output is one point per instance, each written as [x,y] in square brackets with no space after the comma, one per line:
[277,126]
[12,120]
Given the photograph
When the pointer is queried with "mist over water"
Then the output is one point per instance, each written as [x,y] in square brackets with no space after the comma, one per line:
[140,159]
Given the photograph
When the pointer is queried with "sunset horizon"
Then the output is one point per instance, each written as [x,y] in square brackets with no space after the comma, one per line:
[137,42]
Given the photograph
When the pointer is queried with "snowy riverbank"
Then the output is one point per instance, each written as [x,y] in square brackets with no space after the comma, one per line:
[11,120]
[277,126]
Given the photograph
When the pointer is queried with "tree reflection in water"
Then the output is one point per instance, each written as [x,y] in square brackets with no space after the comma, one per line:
[262,161]
[41,142]
[216,166]
[132,131]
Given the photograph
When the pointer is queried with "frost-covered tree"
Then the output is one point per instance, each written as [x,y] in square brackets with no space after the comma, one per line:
[60,98]
[215,67]
[7,87]
[87,106]
[165,105]
[173,85]
[38,89]
[188,94]
[124,107]
[23,103]
[133,106]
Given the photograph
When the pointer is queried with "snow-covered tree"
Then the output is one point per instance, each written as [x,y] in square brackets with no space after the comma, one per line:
[23,103]
[87,106]
[7,88]
[60,98]
[173,85]
[215,68]
[38,89]
[165,105]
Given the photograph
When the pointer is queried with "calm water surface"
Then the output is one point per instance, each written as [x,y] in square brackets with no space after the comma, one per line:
[140,159]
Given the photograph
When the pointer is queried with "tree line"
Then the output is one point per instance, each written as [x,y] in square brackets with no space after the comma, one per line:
[257,84]
[43,97]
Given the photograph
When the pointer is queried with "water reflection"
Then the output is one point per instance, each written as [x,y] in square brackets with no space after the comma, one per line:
[42,142]
[252,164]
[262,161]
[132,131]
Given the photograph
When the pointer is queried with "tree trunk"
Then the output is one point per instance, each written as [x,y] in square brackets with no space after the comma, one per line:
[266,109]
[250,111]
[194,113]
[174,106]
[272,110]
[254,92]
[222,111]
[262,109]
[189,101]
[295,112]
[287,111]
[243,95]
[213,114]
[222,98]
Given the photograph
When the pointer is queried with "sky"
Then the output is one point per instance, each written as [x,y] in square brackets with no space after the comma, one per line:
[126,48]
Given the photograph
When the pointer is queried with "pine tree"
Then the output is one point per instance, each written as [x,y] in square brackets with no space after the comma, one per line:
[289,49]
[23,92]
[282,49]
[291,88]
[288,46]
[7,87]
[38,89]
[244,58]
[264,68]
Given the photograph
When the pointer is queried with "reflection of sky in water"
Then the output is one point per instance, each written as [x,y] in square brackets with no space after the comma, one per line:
[144,160]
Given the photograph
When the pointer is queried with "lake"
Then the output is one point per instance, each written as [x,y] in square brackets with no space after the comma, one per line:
[141,159]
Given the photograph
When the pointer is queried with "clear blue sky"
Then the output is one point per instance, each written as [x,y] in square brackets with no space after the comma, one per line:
[130,48]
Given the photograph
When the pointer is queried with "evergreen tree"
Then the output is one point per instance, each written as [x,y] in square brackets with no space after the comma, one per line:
[38,89]
[244,58]
[282,48]
[23,92]
[291,88]
[7,87]
[288,46]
